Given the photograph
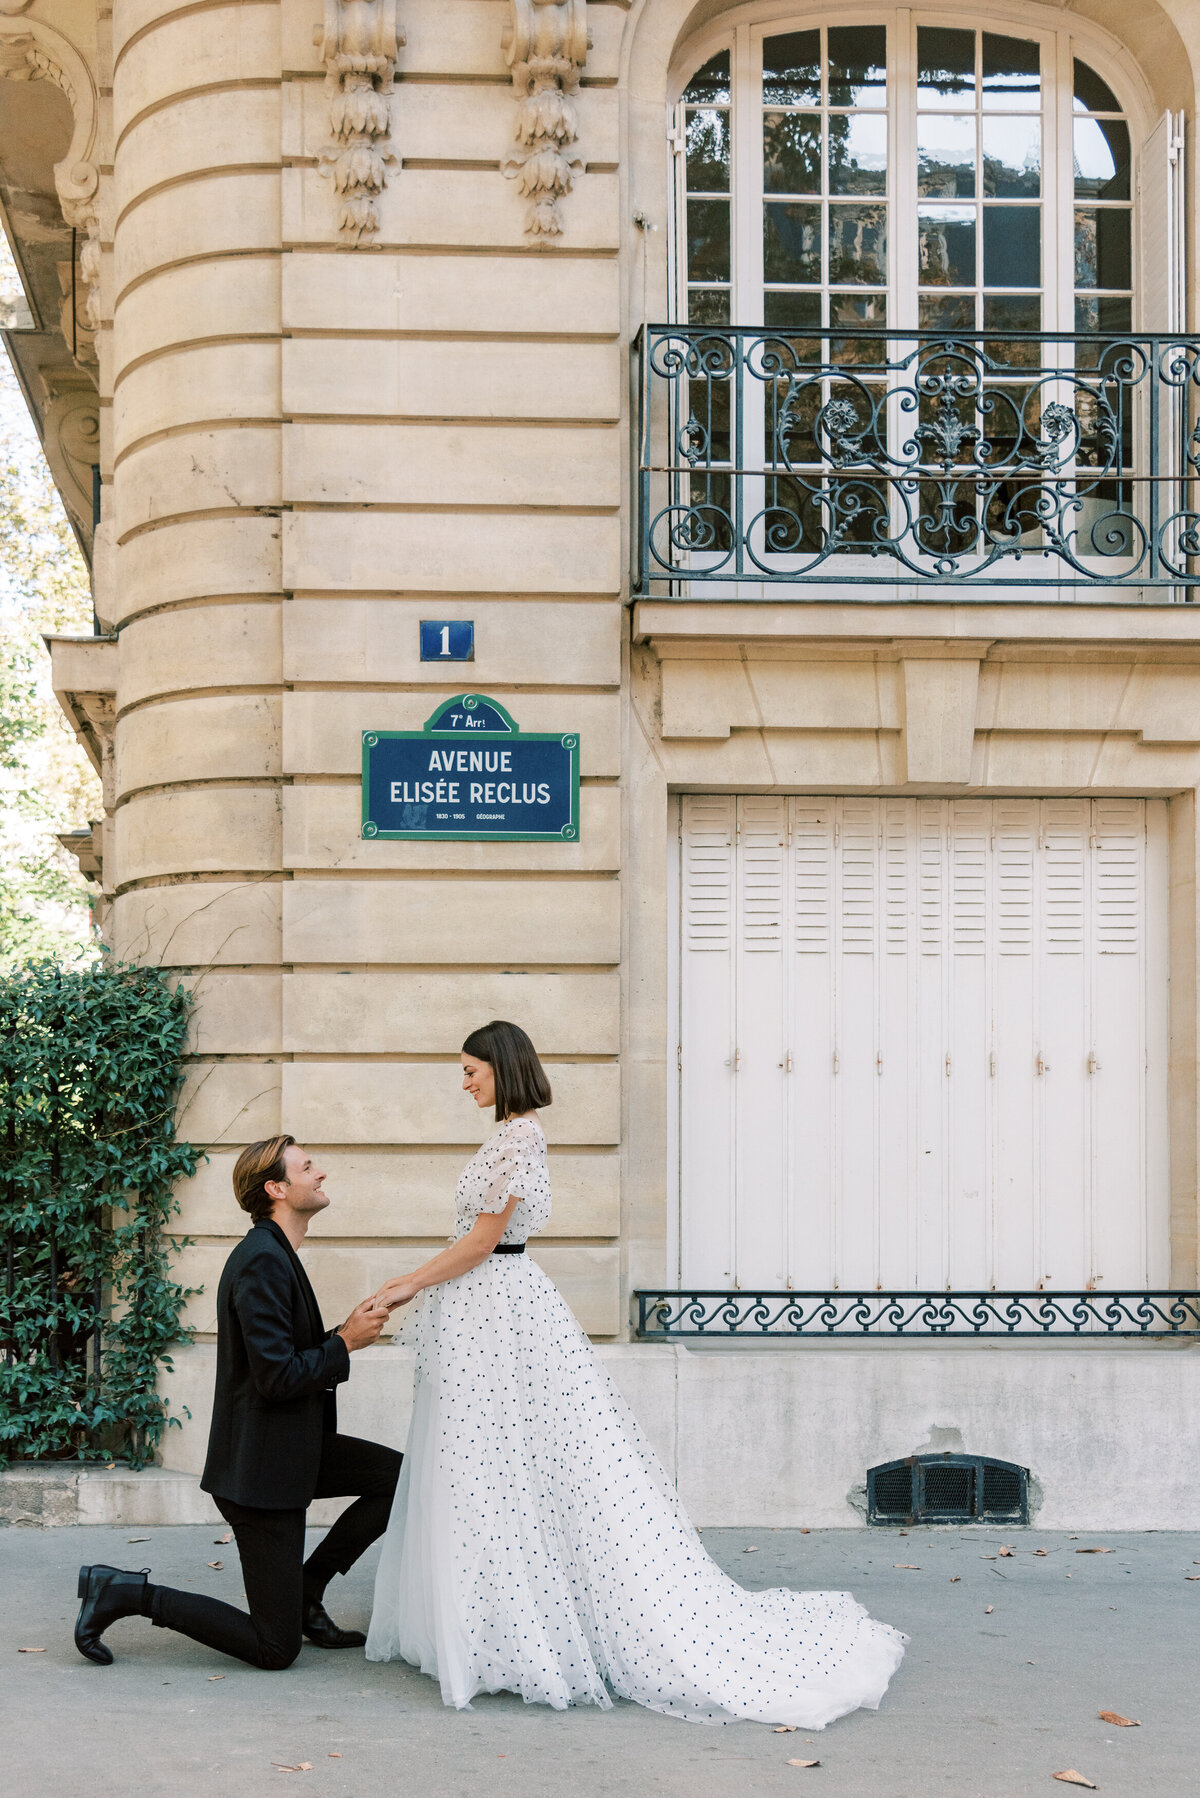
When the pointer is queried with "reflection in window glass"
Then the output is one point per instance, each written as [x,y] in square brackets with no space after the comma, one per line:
[858,153]
[792,69]
[946,246]
[945,68]
[791,242]
[707,151]
[708,123]
[1012,80]
[1012,246]
[1012,158]
[1101,159]
[946,157]
[947,312]
[857,65]
[1092,94]
[858,244]
[792,152]
[1102,247]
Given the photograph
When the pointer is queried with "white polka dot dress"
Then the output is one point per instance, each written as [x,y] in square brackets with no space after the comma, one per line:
[536,1544]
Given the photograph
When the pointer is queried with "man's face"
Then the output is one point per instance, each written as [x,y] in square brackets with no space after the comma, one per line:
[303,1191]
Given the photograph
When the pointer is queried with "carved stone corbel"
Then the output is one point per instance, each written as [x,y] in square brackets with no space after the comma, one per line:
[359,42]
[71,437]
[545,45]
[31,51]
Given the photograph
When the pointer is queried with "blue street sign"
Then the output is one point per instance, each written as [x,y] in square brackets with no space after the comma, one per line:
[447,640]
[471,774]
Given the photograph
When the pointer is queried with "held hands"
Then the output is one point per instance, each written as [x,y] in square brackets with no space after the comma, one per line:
[394,1293]
[363,1325]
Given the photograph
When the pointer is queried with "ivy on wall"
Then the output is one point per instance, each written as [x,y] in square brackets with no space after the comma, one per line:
[90,1070]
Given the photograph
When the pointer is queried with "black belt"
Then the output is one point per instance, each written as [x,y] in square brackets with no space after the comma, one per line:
[509,1248]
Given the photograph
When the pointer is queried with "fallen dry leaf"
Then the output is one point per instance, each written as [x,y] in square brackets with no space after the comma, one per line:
[139,1538]
[1120,1721]
[217,1564]
[1070,1777]
[31,1651]
[1040,1551]
[785,1729]
[954,1578]
[749,1551]
[298,1767]
[1091,1551]
[213,1676]
[804,1763]
[988,1609]
[1007,1551]
[220,1541]
[334,1756]
[909,1566]
[1191,1576]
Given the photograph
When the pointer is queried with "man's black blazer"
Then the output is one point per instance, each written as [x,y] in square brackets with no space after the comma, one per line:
[277,1366]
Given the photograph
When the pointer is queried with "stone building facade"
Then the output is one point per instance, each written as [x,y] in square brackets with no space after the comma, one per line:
[344,308]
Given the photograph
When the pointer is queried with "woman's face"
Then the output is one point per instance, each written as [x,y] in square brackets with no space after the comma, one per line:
[479,1081]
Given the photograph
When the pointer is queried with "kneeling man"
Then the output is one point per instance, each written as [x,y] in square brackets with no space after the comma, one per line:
[274,1445]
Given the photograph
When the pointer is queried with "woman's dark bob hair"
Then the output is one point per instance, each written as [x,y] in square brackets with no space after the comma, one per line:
[521,1083]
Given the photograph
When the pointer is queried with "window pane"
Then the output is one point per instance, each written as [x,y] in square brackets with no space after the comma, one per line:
[858,312]
[708,152]
[709,86]
[793,309]
[857,65]
[946,158]
[1013,312]
[708,306]
[858,244]
[708,240]
[791,242]
[792,152]
[946,242]
[1011,74]
[1101,159]
[1095,314]
[1092,94]
[1012,158]
[947,312]
[858,153]
[945,67]
[1012,246]
[792,69]
[1102,250]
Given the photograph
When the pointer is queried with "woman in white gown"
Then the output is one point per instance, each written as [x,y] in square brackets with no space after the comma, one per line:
[536,1544]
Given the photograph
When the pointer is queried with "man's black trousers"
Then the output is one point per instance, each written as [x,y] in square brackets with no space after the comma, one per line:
[274,1572]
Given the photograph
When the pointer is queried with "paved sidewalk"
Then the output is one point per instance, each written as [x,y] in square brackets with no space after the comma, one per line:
[988,1704]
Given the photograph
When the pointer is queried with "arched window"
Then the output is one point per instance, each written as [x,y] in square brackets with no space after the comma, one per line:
[904,173]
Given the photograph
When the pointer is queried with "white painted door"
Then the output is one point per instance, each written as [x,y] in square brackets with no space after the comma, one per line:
[922,1043]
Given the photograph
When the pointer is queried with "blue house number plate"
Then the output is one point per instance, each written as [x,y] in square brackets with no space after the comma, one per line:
[447,640]
[472,774]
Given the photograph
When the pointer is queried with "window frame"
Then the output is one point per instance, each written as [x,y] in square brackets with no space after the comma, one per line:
[1062,38]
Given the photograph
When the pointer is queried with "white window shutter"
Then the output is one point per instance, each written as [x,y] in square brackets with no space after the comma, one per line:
[1161,214]
[708,826]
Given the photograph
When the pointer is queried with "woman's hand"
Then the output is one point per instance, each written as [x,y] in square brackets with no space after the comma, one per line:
[394,1293]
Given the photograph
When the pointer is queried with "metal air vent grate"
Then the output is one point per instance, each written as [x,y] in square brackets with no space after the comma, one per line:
[947,1489]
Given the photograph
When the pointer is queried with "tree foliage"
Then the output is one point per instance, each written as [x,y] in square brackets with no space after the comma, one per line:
[46,782]
[90,1069]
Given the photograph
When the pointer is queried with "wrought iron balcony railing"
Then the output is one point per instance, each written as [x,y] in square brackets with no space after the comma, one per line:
[914,460]
[664,1316]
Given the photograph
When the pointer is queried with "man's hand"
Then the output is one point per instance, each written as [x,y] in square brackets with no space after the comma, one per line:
[363,1325]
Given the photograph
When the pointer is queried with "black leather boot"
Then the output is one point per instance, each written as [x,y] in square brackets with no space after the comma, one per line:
[320,1628]
[107,1593]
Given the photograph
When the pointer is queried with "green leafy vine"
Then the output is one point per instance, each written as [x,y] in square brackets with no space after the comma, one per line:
[90,1070]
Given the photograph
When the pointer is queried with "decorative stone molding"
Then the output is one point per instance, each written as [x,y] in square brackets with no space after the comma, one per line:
[545,45]
[71,438]
[31,51]
[359,42]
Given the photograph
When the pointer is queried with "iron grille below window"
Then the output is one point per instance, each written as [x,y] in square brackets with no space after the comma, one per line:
[947,1489]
